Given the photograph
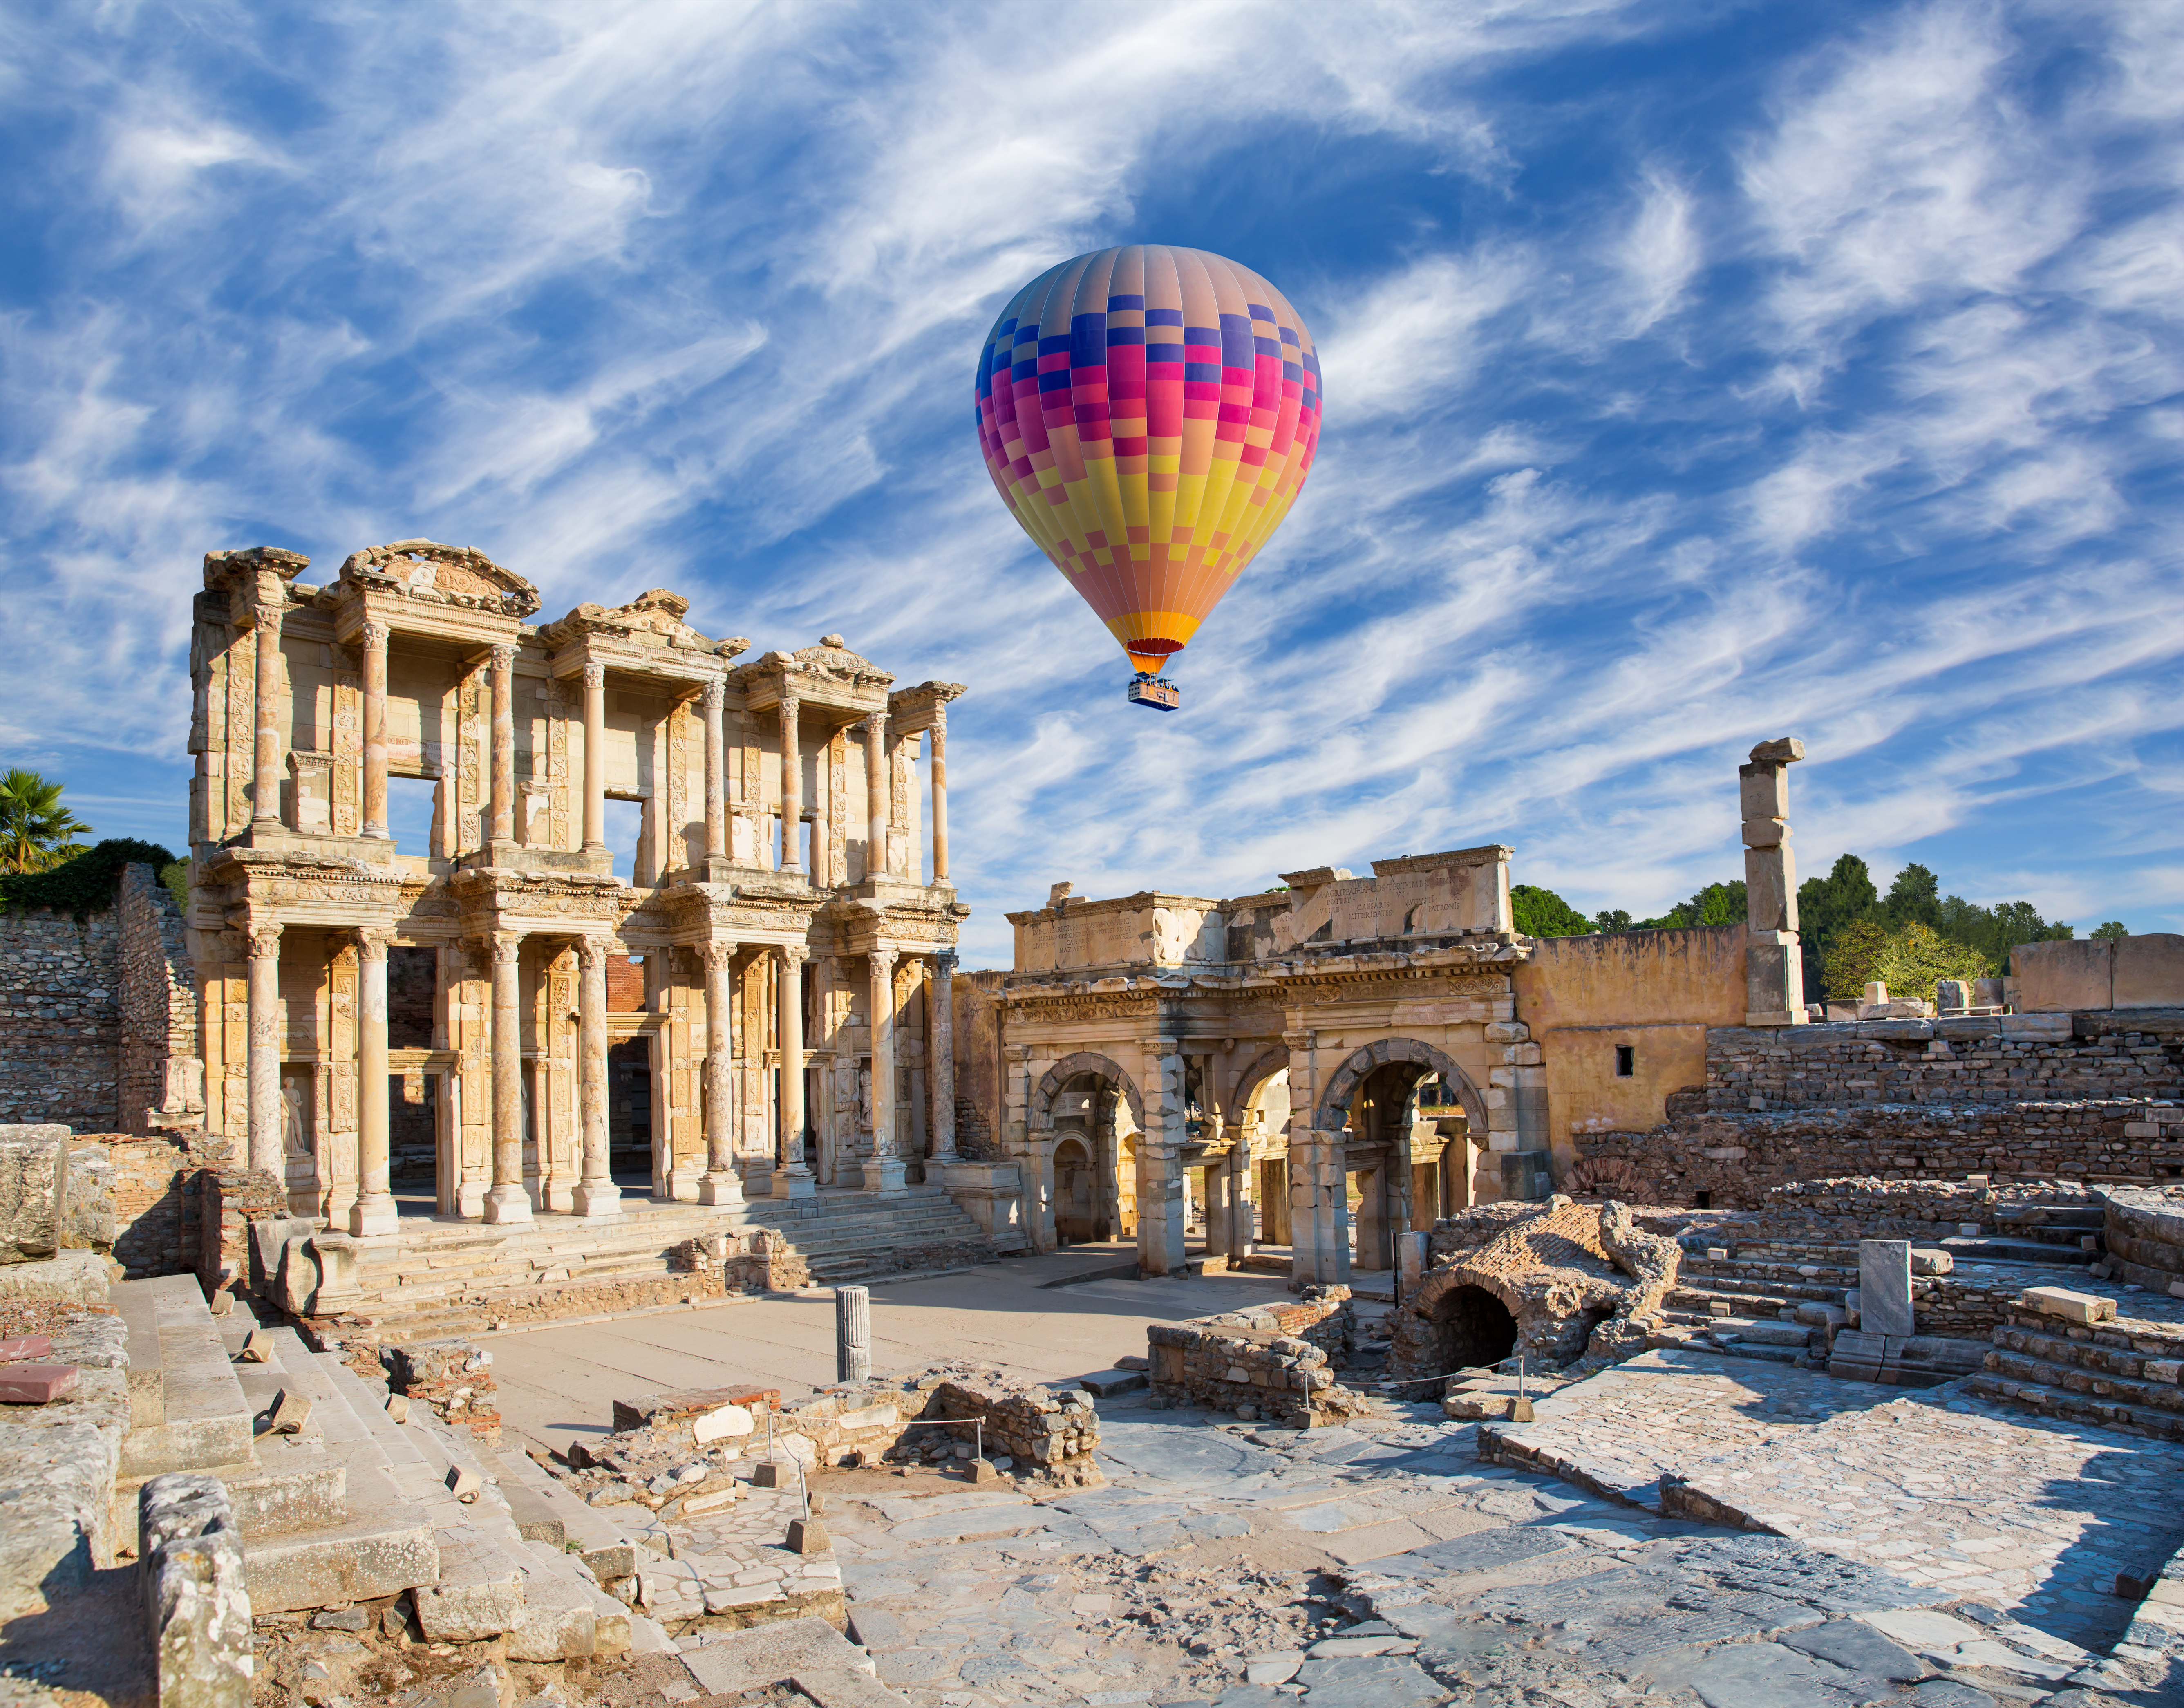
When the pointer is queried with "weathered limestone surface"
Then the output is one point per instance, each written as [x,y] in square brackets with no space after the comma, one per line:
[34,1182]
[197,1600]
[57,1463]
[1272,1362]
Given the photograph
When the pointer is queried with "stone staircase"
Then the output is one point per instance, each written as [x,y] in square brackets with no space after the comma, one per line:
[440,1278]
[351,1508]
[1782,1299]
[2121,1373]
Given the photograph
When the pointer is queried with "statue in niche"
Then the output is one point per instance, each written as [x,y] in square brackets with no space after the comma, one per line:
[293,1142]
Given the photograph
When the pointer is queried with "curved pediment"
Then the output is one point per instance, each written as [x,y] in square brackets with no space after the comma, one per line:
[833,658]
[456,575]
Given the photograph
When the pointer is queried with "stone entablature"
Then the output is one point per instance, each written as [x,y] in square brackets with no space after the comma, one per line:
[778,868]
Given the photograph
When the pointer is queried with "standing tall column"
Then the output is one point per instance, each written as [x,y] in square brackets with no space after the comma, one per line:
[504,743]
[792,1179]
[507,1202]
[1159,1162]
[595,758]
[940,794]
[1773,960]
[792,787]
[374,1211]
[943,1058]
[721,1184]
[597,1195]
[375,731]
[265,1147]
[265,778]
[716,782]
[885,1171]
[876,796]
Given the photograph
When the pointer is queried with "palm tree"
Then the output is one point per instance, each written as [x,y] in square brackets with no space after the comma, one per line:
[35,830]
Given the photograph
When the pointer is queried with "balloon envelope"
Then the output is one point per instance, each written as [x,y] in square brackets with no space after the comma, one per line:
[1149,415]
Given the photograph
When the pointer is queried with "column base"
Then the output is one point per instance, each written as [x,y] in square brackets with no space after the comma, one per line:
[376,833]
[886,1175]
[507,1205]
[375,1214]
[722,1188]
[793,1183]
[596,1200]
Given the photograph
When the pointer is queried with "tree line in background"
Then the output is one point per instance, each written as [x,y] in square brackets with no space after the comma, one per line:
[44,865]
[1853,934]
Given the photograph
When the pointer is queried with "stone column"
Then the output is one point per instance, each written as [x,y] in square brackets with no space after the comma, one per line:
[884,1170]
[374,1211]
[943,1058]
[721,1184]
[271,753]
[375,731]
[876,796]
[1161,1248]
[716,782]
[792,1179]
[792,787]
[597,1195]
[503,745]
[1242,1188]
[266,1024]
[595,758]
[1773,962]
[940,794]
[507,1202]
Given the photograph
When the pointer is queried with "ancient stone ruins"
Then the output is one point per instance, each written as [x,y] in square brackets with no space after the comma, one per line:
[1568,1320]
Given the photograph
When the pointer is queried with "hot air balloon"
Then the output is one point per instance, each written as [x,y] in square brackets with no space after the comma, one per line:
[1149,415]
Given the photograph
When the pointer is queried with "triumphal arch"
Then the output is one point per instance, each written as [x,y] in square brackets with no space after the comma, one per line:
[1339,1045]
[480,1007]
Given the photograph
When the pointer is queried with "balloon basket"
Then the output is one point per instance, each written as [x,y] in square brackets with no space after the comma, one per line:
[1157,692]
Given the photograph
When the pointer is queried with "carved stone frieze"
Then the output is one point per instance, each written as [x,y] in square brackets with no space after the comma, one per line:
[451,575]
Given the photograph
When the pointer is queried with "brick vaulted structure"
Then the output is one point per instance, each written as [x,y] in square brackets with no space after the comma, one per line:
[486,1005]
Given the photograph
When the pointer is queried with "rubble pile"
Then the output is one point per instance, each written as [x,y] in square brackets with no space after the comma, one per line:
[1563,1283]
[452,1377]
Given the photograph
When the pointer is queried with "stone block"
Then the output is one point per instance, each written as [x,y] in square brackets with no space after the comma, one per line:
[723,1423]
[1105,1384]
[288,1414]
[36,1384]
[34,1176]
[1884,1288]
[1926,1260]
[2060,978]
[808,1536]
[464,1483]
[25,1346]
[2148,971]
[197,1600]
[479,1594]
[1527,1176]
[2070,1306]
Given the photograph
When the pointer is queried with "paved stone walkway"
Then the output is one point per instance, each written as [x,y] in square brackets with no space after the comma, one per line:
[1941,1488]
[1385,1565]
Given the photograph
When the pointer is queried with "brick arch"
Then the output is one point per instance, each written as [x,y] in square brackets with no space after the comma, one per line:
[1342,1085]
[1067,1069]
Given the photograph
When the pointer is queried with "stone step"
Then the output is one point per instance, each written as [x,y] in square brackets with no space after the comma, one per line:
[2018,1251]
[187,1408]
[2060,1403]
[2048,1366]
[379,1545]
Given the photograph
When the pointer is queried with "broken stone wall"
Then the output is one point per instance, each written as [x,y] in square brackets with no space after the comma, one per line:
[160,1074]
[60,1023]
[158,1191]
[979,1079]
[1273,1362]
[231,1199]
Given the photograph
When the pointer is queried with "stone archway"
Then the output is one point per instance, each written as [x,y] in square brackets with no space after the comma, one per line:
[1342,1084]
[1073,1067]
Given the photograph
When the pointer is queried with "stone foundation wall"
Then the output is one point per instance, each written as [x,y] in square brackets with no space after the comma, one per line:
[2003,1059]
[60,1022]
[157,1196]
[1272,1362]
[230,1200]
[1734,1160]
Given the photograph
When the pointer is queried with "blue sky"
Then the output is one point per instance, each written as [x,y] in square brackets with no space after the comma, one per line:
[1695,375]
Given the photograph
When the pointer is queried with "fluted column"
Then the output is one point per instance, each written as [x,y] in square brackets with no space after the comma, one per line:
[716,781]
[374,639]
[721,1184]
[876,796]
[792,787]
[507,1202]
[940,794]
[793,1178]
[271,749]
[943,1058]
[884,1170]
[374,1211]
[595,758]
[265,1147]
[503,744]
[597,1195]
